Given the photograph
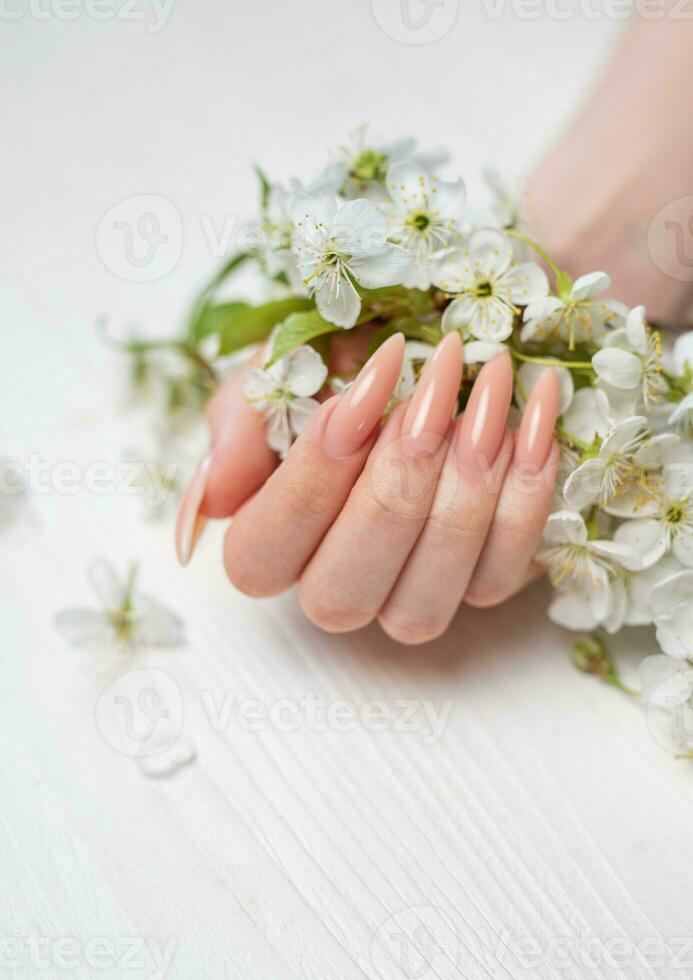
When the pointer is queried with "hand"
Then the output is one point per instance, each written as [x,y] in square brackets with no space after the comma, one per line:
[401,522]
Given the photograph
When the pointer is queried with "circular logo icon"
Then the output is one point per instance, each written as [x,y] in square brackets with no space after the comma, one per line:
[141,712]
[415,21]
[421,941]
[141,238]
[670,239]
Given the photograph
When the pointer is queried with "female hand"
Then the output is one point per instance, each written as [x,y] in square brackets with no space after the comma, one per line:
[399,522]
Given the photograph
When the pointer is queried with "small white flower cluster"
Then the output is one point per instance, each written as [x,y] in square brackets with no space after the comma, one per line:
[380,238]
[620,548]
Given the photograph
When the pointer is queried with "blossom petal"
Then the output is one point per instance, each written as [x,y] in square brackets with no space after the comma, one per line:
[359,229]
[305,372]
[636,331]
[590,285]
[490,252]
[452,272]
[622,435]
[107,584]
[682,547]
[618,367]
[388,267]
[301,411]
[338,302]
[587,415]
[662,677]
[573,611]
[480,351]
[277,431]
[85,627]
[458,314]
[683,351]
[565,527]
[647,537]
[620,552]
[675,632]
[583,485]
[407,183]
[527,283]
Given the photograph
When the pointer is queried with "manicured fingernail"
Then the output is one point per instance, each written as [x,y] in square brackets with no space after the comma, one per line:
[364,402]
[535,435]
[429,412]
[483,426]
[191,523]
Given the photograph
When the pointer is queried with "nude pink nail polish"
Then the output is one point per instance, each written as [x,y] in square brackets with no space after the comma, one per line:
[429,412]
[190,523]
[483,426]
[364,402]
[535,435]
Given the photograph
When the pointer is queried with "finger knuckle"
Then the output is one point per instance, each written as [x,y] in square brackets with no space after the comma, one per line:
[409,629]
[250,578]
[330,612]
[485,595]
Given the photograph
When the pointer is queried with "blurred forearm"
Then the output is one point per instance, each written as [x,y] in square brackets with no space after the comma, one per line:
[617,191]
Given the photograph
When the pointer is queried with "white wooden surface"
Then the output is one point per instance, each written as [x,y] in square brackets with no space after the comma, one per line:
[544,826]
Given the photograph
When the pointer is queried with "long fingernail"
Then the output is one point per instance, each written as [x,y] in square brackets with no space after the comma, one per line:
[363,404]
[535,435]
[430,410]
[191,523]
[483,426]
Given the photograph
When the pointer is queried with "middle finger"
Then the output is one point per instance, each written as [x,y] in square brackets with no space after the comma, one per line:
[347,580]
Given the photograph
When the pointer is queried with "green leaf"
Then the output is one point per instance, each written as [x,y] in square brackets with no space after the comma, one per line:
[239,324]
[297,329]
[204,297]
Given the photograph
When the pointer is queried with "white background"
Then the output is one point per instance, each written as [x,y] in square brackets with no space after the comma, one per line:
[546,810]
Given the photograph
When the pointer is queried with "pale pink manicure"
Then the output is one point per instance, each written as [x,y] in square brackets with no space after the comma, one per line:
[430,410]
[535,435]
[191,523]
[483,426]
[364,402]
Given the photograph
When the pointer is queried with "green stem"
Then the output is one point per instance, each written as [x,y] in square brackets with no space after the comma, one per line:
[569,437]
[551,361]
[533,245]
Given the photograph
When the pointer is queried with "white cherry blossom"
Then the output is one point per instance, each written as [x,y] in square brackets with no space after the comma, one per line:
[576,319]
[282,394]
[600,477]
[667,521]
[631,360]
[487,286]
[126,620]
[423,216]
[339,246]
[573,558]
